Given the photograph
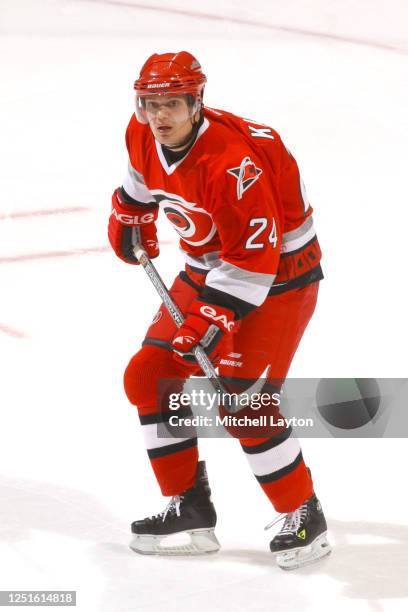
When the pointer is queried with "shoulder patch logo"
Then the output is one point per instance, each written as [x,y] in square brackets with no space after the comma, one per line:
[246,174]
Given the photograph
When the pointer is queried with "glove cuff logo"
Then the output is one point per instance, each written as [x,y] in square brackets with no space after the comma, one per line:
[133,219]
[211,313]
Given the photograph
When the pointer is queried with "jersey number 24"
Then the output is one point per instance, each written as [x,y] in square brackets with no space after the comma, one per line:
[261,224]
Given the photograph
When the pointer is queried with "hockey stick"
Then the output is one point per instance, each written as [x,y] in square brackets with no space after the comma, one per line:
[235,400]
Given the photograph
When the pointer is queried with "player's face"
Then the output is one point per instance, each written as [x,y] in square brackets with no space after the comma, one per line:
[169,118]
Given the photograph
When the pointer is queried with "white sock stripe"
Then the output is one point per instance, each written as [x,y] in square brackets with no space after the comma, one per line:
[275,458]
[152,439]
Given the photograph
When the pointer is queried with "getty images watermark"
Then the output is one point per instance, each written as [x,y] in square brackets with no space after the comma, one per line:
[313,407]
[255,410]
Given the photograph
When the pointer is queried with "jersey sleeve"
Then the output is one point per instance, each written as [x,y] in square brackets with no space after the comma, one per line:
[245,214]
[293,191]
[133,184]
[134,187]
[300,249]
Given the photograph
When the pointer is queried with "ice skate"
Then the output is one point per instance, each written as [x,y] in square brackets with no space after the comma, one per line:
[185,527]
[302,539]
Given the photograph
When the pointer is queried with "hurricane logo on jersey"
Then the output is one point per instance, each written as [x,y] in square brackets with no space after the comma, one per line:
[246,174]
[181,220]
[193,224]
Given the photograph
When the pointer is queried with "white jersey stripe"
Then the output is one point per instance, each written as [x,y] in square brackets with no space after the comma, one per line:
[134,186]
[252,287]
[295,239]
[205,262]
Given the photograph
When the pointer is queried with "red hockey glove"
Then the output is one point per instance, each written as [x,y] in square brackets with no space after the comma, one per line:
[205,324]
[130,224]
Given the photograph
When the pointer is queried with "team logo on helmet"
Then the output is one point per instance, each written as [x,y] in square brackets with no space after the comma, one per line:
[192,223]
[246,174]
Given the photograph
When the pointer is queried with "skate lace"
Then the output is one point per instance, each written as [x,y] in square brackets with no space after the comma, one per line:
[173,507]
[292,520]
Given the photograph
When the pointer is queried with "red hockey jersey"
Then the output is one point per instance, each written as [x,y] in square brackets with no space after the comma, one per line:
[237,202]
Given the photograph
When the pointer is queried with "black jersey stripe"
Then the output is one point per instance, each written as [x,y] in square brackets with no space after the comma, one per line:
[129,200]
[309,277]
[312,276]
[219,298]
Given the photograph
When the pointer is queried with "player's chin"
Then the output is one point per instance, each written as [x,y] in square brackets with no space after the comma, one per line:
[164,136]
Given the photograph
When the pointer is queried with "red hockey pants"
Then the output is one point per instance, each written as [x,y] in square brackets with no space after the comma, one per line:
[268,335]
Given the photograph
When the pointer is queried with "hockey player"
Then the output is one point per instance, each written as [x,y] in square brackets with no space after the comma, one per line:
[234,195]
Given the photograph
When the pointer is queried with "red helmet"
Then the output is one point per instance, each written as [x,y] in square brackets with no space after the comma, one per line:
[170,73]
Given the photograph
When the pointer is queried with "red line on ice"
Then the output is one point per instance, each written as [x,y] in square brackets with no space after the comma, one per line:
[52,254]
[15,333]
[22,214]
[256,24]
[9,259]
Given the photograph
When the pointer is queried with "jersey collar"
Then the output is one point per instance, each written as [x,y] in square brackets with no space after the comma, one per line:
[170,169]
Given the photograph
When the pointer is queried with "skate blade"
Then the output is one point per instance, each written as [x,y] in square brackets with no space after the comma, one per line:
[300,557]
[196,542]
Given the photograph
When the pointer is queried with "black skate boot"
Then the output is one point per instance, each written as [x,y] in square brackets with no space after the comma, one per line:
[189,517]
[302,539]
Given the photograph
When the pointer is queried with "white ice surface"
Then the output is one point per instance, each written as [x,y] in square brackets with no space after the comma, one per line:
[73,468]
